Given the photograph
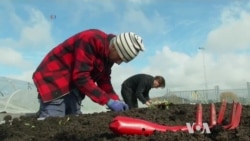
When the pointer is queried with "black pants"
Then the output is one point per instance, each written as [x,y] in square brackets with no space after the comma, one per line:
[129,97]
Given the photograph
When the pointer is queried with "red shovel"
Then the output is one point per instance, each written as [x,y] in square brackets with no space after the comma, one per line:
[130,126]
[122,125]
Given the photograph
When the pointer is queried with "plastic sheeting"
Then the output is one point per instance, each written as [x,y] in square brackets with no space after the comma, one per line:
[23,101]
[21,97]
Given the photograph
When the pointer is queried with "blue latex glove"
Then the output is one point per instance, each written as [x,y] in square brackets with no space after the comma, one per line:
[117,106]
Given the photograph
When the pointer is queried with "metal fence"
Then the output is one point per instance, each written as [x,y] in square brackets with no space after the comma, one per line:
[210,95]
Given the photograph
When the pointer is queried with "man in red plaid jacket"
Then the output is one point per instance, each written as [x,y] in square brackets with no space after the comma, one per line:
[81,65]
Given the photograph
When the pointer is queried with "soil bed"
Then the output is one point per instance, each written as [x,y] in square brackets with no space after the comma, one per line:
[95,127]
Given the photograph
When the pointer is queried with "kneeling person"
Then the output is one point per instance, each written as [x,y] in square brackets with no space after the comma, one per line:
[138,87]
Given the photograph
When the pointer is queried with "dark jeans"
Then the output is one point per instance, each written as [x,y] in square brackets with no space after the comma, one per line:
[69,104]
[129,97]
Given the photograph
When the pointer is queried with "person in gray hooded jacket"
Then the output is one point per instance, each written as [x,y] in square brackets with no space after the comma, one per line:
[138,87]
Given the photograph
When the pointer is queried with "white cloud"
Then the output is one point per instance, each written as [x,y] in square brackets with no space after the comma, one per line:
[11,57]
[25,76]
[179,69]
[33,33]
[231,70]
[37,31]
[233,34]
[33,39]
[228,48]
[9,16]
[183,72]
[139,21]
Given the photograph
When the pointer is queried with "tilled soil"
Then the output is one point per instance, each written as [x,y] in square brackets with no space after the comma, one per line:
[95,127]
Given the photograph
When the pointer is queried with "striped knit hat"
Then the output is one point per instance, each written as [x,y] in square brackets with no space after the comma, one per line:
[128,45]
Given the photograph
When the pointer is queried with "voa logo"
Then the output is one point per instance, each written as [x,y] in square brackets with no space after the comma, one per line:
[202,129]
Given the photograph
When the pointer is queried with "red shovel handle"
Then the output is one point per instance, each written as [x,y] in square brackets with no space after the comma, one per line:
[236,121]
[199,115]
[131,126]
[212,115]
[222,112]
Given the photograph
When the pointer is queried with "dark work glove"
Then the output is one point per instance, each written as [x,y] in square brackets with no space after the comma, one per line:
[117,106]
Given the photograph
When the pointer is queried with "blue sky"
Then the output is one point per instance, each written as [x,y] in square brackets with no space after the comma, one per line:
[172,31]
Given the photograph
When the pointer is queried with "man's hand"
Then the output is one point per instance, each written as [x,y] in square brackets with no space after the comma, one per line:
[117,106]
[148,103]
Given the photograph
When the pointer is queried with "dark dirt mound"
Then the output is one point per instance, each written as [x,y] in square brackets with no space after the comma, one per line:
[95,127]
